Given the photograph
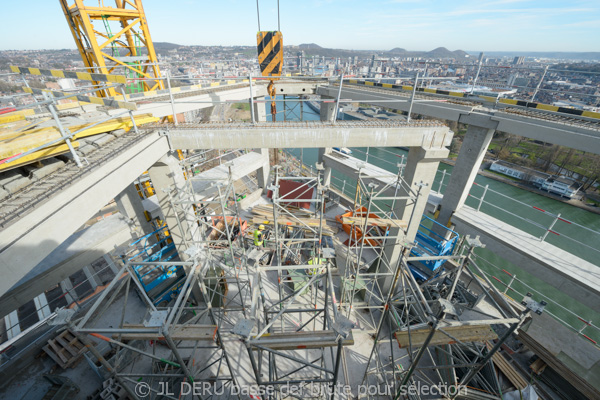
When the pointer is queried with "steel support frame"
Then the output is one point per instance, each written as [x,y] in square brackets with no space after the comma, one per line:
[91,43]
[372,202]
[437,366]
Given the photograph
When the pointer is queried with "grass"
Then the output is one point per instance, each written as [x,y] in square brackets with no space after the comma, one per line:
[242,106]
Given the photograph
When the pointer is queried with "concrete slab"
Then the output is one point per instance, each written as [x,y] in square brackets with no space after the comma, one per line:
[204,182]
[568,273]
[80,249]
[50,165]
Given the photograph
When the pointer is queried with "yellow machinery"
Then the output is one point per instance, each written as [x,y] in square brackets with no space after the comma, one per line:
[270,57]
[129,50]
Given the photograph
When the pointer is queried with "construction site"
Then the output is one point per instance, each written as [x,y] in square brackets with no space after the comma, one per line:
[150,253]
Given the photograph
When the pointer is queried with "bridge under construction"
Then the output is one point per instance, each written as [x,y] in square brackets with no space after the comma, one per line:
[149,253]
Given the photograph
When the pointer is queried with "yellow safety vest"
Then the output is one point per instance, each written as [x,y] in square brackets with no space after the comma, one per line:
[315,261]
[258,237]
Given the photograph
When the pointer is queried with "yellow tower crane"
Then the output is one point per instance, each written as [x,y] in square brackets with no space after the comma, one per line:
[115,40]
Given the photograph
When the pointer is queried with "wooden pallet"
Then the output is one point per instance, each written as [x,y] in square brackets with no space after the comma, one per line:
[65,349]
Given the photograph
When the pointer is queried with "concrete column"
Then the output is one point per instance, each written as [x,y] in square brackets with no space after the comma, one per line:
[327,110]
[11,321]
[91,277]
[420,170]
[166,175]
[112,264]
[67,288]
[130,205]
[41,306]
[421,167]
[472,151]
[327,173]
[260,112]
[262,174]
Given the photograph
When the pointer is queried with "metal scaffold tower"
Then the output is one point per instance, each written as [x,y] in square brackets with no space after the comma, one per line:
[437,334]
[294,334]
[114,40]
[375,240]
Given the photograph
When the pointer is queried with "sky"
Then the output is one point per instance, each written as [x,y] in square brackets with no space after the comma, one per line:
[470,25]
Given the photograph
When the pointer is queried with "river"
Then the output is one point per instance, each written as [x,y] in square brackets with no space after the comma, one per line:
[510,204]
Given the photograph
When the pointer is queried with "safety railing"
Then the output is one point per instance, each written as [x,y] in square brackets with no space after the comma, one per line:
[511,286]
[539,220]
[78,300]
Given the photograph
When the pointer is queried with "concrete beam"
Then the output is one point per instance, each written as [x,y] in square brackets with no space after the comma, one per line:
[205,98]
[42,230]
[568,273]
[551,131]
[241,166]
[81,248]
[308,135]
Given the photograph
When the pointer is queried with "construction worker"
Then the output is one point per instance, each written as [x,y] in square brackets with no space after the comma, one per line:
[258,236]
[315,261]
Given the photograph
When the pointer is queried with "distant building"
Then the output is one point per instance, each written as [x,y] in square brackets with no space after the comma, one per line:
[519,60]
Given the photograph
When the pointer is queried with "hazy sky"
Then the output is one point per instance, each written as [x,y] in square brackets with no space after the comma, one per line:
[471,25]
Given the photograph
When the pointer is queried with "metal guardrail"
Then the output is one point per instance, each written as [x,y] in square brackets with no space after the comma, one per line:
[508,288]
[547,228]
[78,301]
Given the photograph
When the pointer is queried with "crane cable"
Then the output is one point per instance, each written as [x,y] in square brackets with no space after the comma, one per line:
[258,16]
[271,86]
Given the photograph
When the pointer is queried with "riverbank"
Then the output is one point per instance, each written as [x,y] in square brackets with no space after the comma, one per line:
[530,188]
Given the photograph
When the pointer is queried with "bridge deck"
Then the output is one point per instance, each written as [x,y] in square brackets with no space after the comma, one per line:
[567,272]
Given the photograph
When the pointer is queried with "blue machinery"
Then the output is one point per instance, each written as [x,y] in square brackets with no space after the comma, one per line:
[430,243]
[161,282]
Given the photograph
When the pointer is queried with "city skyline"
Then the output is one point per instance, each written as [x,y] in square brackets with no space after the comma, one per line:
[502,25]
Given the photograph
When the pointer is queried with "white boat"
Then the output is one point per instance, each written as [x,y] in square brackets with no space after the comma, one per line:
[343,150]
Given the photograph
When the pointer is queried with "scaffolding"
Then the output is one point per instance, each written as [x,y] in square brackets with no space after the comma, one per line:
[264,320]
[375,240]
[436,334]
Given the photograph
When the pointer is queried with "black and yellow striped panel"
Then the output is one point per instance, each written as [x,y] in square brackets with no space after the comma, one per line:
[87,99]
[270,52]
[57,73]
[513,102]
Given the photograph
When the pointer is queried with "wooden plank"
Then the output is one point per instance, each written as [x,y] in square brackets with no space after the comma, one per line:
[311,222]
[67,346]
[380,222]
[53,356]
[538,366]
[57,350]
[38,156]
[301,340]
[507,369]
[178,332]
[37,137]
[466,334]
